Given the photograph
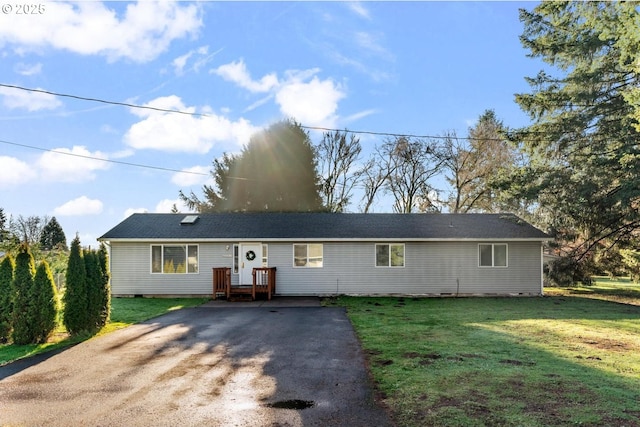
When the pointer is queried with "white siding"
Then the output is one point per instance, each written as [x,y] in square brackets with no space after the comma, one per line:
[431,268]
[131,270]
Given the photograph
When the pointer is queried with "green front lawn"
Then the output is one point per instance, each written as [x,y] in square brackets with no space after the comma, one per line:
[124,312]
[542,361]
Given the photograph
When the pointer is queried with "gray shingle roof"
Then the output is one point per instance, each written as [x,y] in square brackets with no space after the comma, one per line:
[324,227]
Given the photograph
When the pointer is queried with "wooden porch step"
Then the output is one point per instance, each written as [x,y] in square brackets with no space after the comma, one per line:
[264,283]
[240,298]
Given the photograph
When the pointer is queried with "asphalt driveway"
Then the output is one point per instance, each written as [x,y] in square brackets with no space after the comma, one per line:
[203,366]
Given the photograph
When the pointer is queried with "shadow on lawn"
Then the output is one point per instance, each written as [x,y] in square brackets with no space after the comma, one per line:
[463,362]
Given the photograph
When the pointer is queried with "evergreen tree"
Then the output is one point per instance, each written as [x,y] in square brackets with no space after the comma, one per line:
[53,236]
[93,284]
[105,287]
[25,316]
[75,296]
[47,301]
[4,232]
[6,297]
[276,172]
[583,143]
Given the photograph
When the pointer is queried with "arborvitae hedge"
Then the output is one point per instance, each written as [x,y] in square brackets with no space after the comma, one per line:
[76,317]
[105,287]
[93,287]
[25,317]
[88,294]
[47,301]
[7,266]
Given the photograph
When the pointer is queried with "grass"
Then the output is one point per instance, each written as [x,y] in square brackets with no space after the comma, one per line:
[572,358]
[124,312]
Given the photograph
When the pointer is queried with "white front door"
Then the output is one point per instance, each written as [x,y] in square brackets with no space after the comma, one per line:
[250,257]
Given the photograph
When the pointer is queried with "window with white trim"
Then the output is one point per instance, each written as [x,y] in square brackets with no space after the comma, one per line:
[492,255]
[308,255]
[389,254]
[236,250]
[265,255]
[174,259]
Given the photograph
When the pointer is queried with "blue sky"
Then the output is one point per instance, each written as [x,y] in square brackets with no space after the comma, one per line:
[421,68]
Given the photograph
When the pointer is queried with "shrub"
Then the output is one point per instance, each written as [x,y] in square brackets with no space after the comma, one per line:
[47,302]
[93,284]
[105,287]
[566,271]
[76,317]
[631,259]
[25,316]
[7,266]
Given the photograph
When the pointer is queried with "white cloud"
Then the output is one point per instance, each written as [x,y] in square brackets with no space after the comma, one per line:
[28,70]
[14,172]
[127,152]
[359,9]
[80,206]
[143,31]
[300,94]
[196,175]
[30,101]
[370,43]
[71,167]
[311,103]
[202,57]
[131,211]
[237,73]
[166,206]
[180,62]
[359,115]
[175,132]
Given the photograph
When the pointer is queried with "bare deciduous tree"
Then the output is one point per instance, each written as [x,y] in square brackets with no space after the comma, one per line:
[338,154]
[415,162]
[376,172]
[28,230]
[473,163]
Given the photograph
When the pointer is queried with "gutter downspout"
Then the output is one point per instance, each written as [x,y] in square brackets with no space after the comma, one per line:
[541,269]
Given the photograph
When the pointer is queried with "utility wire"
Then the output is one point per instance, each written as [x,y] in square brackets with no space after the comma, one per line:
[101,159]
[188,113]
[164,110]
[103,101]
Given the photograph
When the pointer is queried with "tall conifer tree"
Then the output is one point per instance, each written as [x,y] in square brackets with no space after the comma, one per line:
[276,172]
[76,317]
[93,284]
[53,236]
[583,143]
[47,301]
[25,316]
[105,288]
[7,266]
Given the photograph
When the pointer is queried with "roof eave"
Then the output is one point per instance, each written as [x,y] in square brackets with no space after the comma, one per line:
[326,239]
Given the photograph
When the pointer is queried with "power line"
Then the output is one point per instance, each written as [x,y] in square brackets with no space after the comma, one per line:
[101,159]
[138,165]
[103,101]
[189,113]
[173,111]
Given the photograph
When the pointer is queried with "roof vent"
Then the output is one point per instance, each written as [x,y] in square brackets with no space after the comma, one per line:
[189,219]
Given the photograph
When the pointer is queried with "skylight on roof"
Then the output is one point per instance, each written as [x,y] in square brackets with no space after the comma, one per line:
[189,219]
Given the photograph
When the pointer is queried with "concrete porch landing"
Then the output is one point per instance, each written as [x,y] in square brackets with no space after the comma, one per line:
[275,302]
